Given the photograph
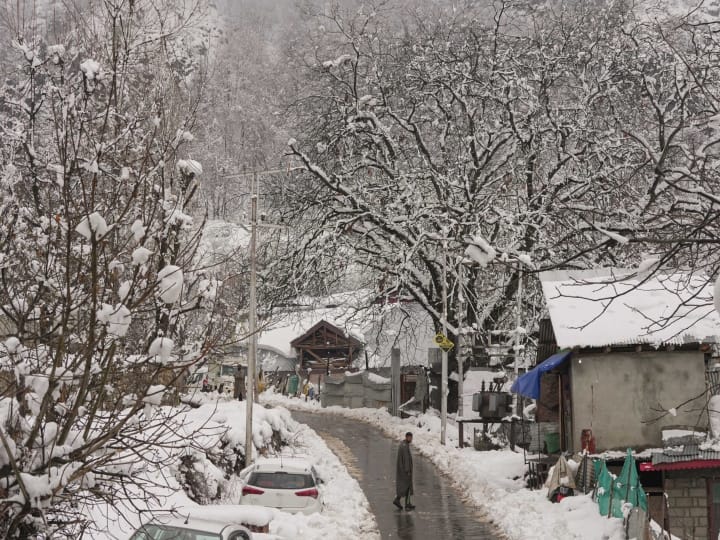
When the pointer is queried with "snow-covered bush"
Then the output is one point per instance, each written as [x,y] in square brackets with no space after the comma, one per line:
[205,475]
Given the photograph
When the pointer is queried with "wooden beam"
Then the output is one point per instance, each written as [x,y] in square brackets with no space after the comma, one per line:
[315,355]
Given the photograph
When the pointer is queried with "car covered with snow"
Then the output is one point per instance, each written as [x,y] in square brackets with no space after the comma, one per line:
[190,528]
[288,484]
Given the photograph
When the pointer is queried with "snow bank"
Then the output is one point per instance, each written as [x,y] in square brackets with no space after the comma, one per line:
[492,480]
[346,513]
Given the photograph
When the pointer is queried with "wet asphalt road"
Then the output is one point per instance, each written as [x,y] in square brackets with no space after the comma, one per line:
[370,458]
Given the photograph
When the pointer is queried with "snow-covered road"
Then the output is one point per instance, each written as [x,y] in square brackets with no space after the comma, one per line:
[492,480]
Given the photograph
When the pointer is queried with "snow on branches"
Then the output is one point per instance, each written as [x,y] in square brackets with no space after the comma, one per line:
[100,310]
[496,147]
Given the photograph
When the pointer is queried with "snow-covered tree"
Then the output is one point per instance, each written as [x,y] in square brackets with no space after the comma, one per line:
[98,280]
[501,139]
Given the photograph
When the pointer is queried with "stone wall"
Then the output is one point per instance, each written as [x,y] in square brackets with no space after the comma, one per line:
[687,501]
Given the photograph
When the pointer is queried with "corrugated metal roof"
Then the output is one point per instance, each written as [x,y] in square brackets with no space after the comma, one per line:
[615,306]
[679,454]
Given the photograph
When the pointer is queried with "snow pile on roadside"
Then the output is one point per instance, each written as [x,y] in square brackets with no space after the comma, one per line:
[346,512]
[346,515]
[493,480]
[207,446]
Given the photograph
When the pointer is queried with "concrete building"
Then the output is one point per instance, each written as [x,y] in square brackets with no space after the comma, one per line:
[639,351]
[640,347]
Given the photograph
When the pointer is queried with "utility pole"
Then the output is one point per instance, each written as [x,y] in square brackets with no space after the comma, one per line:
[444,375]
[252,323]
[461,337]
[518,319]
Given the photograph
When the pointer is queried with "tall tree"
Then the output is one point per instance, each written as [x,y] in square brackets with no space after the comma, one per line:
[498,141]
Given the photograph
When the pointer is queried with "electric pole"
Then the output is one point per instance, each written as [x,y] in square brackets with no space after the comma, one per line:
[252,327]
[460,350]
[444,375]
[518,319]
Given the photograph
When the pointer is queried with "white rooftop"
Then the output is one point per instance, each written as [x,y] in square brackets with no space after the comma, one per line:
[613,306]
[279,333]
[379,327]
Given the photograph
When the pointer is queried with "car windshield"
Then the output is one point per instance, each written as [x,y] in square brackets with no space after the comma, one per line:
[281,480]
[168,532]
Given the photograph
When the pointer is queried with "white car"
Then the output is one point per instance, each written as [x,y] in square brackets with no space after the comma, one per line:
[191,528]
[288,484]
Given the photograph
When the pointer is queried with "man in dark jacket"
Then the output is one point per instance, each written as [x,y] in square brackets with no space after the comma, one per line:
[404,474]
[239,382]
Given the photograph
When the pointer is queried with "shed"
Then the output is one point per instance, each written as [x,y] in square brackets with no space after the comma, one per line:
[325,348]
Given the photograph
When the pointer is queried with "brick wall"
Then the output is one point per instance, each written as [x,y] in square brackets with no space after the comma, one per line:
[687,501]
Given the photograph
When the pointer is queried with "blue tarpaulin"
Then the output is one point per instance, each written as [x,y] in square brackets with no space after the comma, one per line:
[528,384]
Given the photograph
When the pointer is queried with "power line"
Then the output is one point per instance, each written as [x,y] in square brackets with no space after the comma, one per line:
[260,173]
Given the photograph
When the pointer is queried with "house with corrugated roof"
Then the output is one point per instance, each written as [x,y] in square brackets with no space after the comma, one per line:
[631,365]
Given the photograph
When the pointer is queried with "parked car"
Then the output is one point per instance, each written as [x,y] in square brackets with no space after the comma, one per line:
[288,484]
[191,528]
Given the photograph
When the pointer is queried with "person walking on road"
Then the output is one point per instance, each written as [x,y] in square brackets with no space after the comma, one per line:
[404,474]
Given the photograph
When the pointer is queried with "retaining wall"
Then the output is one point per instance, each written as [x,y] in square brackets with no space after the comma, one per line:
[356,390]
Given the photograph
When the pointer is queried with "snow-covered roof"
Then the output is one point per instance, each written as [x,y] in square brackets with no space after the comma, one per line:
[379,327]
[328,326]
[612,306]
[280,333]
[221,239]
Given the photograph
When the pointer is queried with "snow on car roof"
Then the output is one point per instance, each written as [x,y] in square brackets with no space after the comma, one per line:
[205,525]
[215,517]
[257,516]
[285,464]
[614,306]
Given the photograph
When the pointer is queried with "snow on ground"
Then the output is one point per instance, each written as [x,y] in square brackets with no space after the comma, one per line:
[492,480]
[346,513]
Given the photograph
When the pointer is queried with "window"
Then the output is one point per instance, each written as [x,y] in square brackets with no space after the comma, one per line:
[226,370]
[168,532]
[281,480]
